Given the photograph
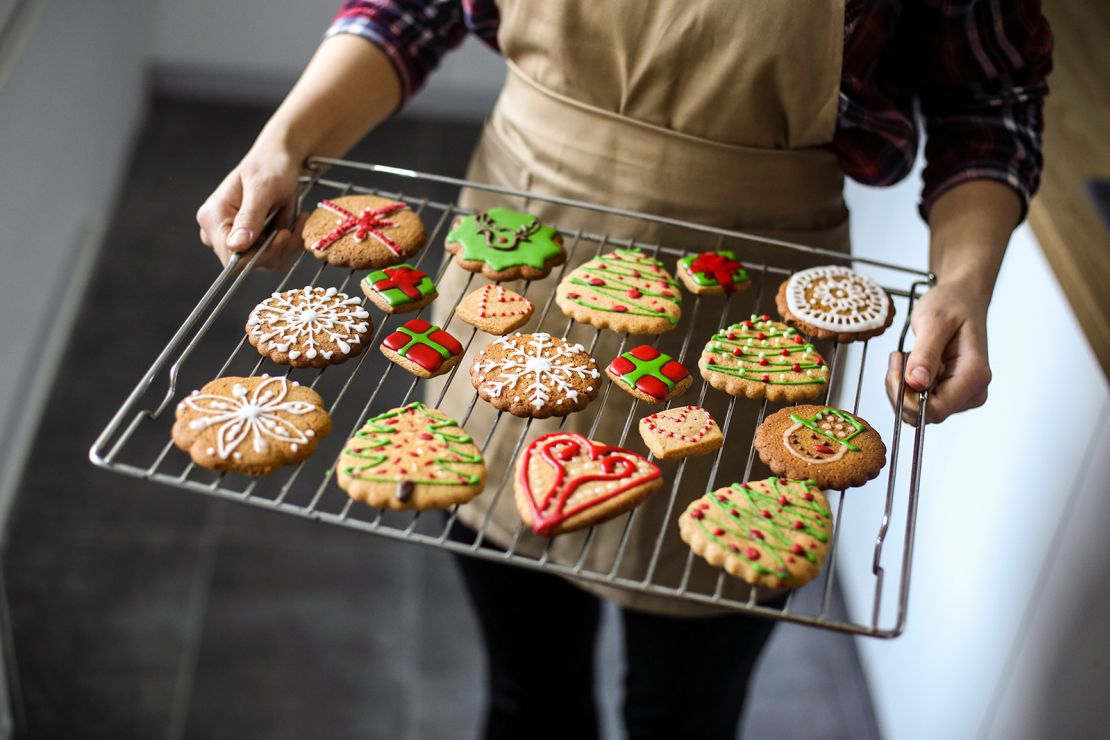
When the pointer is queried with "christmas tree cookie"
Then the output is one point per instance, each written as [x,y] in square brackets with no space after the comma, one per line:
[625,291]
[399,289]
[505,245]
[413,457]
[361,231]
[649,374]
[828,445]
[423,349]
[495,310]
[713,273]
[760,358]
[772,532]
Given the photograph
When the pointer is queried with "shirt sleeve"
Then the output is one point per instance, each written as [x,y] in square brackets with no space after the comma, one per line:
[979,69]
[414,34]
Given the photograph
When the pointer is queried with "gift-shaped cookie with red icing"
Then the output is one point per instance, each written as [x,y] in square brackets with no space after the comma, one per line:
[713,273]
[425,350]
[649,375]
[399,289]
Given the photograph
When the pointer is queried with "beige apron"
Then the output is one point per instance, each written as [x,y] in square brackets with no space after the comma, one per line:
[716,112]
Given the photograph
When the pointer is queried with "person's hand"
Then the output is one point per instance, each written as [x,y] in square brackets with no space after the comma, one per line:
[232,217]
[949,355]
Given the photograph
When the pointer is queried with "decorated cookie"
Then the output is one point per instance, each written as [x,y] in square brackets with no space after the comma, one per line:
[505,245]
[423,349]
[712,273]
[828,445]
[399,289]
[311,327]
[413,457]
[625,290]
[772,532]
[681,432]
[495,310]
[760,358]
[649,374]
[535,375]
[565,481]
[361,231]
[250,425]
[835,303]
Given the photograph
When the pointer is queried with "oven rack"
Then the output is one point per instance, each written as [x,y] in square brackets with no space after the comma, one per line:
[136,441]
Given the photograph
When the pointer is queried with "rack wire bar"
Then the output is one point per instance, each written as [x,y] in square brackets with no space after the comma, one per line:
[295,490]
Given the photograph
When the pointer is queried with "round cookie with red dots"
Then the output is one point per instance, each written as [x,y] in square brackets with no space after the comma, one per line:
[649,375]
[772,532]
[835,448]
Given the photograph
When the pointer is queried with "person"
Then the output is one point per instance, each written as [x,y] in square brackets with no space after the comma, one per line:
[740,115]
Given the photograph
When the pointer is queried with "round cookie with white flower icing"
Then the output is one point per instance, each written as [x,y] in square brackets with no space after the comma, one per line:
[832,302]
[250,425]
[828,445]
[535,375]
[310,327]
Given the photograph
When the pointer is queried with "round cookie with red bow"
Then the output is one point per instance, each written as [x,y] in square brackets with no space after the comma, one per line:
[772,532]
[363,231]
[649,375]
[423,349]
[399,289]
[713,273]
[820,443]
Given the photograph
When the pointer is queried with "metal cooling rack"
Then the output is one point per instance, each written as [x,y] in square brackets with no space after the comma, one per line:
[136,442]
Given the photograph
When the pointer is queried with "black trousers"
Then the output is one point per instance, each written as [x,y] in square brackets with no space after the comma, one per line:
[684,678]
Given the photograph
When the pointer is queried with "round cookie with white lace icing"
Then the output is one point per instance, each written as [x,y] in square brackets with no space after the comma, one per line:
[831,302]
[831,446]
[535,375]
[772,532]
[250,425]
[309,327]
[761,358]
[363,231]
[625,291]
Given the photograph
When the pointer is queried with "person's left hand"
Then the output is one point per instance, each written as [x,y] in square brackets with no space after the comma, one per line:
[949,356]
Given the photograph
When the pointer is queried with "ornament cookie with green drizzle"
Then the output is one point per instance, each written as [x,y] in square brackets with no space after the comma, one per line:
[505,245]
[772,532]
[649,375]
[828,445]
[423,349]
[625,291]
[399,289]
[713,273]
[760,358]
[413,457]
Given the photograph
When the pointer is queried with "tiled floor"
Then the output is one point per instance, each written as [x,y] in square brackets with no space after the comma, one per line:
[145,612]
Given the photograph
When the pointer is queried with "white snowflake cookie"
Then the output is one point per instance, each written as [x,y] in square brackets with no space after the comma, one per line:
[250,425]
[535,375]
[831,302]
[309,327]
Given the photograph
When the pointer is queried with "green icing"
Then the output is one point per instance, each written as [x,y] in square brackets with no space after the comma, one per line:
[811,425]
[752,350]
[503,239]
[646,367]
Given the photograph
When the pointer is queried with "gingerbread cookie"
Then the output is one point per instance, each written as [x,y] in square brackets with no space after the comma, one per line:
[625,290]
[681,432]
[649,374]
[250,425]
[831,446]
[835,303]
[565,481]
[760,358]
[495,310]
[535,375]
[772,532]
[423,349]
[399,289]
[713,273]
[361,231]
[311,327]
[505,245]
[413,457]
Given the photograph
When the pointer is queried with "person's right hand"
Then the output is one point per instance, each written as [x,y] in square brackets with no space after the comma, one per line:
[233,215]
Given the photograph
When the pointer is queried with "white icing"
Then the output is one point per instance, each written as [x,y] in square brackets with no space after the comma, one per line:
[854,301]
[254,416]
[550,363]
[309,318]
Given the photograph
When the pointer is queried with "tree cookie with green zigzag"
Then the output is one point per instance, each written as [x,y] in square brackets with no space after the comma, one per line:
[505,245]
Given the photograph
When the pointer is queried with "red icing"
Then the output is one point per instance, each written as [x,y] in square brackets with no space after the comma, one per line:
[620,366]
[596,281]
[549,508]
[652,386]
[765,317]
[644,352]
[674,371]
[765,378]
[396,341]
[739,352]
[757,534]
[799,524]
[718,267]
[573,296]
[424,356]
[796,368]
[823,448]
[797,549]
[620,309]
[752,553]
[719,532]
[447,341]
[425,435]
[404,279]
[368,223]
[764,361]
[760,335]
[799,340]
[633,293]
[666,293]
